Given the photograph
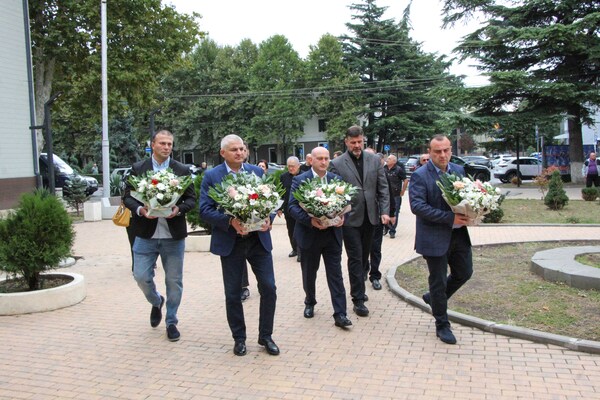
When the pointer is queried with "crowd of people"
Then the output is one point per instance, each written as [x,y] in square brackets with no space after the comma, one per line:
[441,235]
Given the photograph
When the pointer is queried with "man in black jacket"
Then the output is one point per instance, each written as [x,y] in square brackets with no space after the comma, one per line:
[293,166]
[156,236]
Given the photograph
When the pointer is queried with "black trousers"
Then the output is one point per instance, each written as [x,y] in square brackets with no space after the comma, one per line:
[442,286]
[290,224]
[375,253]
[595,179]
[357,241]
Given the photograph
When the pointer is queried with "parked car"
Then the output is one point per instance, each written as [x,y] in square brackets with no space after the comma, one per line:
[63,173]
[411,164]
[479,160]
[476,171]
[537,155]
[499,157]
[121,171]
[529,168]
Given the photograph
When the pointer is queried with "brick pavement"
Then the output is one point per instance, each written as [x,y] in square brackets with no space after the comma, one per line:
[104,347]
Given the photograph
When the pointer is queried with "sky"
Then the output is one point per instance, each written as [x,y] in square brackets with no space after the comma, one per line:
[304,22]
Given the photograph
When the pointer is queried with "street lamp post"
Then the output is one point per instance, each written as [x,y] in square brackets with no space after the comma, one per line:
[49,145]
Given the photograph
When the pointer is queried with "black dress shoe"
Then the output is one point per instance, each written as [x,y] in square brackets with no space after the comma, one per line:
[293,253]
[270,346]
[298,258]
[342,320]
[156,314]
[173,333]
[427,298]
[376,284]
[445,334]
[309,311]
[239,348]
[360,309]
[245,293]
[365,297]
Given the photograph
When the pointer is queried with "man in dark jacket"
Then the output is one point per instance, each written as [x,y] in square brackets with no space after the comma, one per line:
[398,181]
[293,167]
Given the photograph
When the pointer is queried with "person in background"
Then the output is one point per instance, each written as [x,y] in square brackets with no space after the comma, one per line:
[315,241]
[423,159]
[442,237]
[337,153]
[396,175]
[263,165]
[307,163]
[369,206]
[375,253]
[231,242]
[293,168]
[590,171]
[158,236]
[94,169]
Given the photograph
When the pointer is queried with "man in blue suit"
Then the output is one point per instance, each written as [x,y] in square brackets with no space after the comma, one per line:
[235,245]
[442,237]
[316,240]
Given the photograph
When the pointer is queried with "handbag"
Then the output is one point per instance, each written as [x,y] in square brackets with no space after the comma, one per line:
[122,216]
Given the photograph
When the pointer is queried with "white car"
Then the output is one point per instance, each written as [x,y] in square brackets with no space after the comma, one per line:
[529,168]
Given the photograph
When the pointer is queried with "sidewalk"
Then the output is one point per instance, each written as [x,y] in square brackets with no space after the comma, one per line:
[104,347]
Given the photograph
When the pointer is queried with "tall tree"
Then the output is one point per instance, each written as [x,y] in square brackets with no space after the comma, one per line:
[145,39]
[542,57]
[399,79]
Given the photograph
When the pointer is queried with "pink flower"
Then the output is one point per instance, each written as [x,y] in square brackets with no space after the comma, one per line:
[232,192]
[339,189]
[319,192]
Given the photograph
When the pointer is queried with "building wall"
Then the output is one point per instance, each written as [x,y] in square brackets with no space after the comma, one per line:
[16,153]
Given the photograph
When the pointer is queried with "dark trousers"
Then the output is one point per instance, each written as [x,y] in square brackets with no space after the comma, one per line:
[324,245]
[290,224]
[442,286]
[357,241]
[595,179]
[398,202]
[261,262]
[131,237]
[375,253]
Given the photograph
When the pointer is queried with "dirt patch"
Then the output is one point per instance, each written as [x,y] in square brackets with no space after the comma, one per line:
[503,290]
[47,282]
[591,259]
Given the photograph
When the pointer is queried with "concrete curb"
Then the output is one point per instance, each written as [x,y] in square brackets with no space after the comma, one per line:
[586,346]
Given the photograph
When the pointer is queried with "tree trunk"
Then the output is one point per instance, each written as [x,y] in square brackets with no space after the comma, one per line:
[575,144]
[44,73]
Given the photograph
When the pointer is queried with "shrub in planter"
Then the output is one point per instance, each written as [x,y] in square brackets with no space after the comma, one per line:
[589,193]
[556,198]
[496,215]
[35,237]
[75,192]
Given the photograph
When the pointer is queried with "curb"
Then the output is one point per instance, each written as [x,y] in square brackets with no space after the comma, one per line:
[586,346]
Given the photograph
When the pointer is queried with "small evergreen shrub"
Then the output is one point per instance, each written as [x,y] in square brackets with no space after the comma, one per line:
[75,192]
[35,237]
[557,198]
[589,193]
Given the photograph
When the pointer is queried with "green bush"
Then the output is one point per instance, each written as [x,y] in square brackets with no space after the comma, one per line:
[589,193]
[75,192]
[557,198]
[35,237]
[193,217]
[117,185]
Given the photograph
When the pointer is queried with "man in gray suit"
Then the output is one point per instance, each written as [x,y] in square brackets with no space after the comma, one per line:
[363,170]
[441,237]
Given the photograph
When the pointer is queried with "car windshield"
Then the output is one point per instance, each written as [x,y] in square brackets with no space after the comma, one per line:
[62,166]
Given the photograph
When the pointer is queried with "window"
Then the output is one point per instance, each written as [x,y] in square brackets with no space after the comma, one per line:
[188,158]
[322,125]
[273,155]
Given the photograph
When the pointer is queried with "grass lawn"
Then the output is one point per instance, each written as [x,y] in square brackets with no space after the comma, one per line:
[535,212]
[503,290]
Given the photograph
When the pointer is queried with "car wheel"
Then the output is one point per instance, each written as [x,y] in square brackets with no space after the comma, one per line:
[510,176]
[482,176]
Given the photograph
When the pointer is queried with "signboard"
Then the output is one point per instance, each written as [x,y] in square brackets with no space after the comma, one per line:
[148,150]
[386,147]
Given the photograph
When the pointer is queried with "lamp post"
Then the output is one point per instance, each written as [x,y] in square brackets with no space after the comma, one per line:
[48,132]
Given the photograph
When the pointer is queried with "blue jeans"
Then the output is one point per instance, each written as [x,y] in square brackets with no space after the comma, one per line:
[398,201]
[145,254]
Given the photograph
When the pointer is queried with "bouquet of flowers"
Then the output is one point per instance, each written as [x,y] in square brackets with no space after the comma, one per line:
[326,201]
[248,197]
[159,191]
[469,197]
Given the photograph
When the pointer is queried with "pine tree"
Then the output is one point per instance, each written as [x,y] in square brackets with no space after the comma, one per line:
[75,192]
[556,198]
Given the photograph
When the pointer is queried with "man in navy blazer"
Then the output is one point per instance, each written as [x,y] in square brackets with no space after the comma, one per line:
[160,236]
[316,240]
[441,237]
[234,245]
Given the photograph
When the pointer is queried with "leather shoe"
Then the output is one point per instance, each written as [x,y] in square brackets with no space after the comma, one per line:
[342,320]
[309,311]
[427,298]
[293,253]
[366,298]
[270,346]
[239,348]
[376,284]
[173,333]
[156,314]
[360,309]
[445,334]
[299,259]
[245,293]
[392,235]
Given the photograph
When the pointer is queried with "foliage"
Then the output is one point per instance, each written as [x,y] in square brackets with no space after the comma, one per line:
[146,39]
[542,180]
[589,193]
[36,237]
[556,198]
[75,192]
[116,185]
[193,217]
[542,60]
[406,90]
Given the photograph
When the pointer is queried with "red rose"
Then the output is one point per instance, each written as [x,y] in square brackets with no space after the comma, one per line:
[155,181]
[253,196]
